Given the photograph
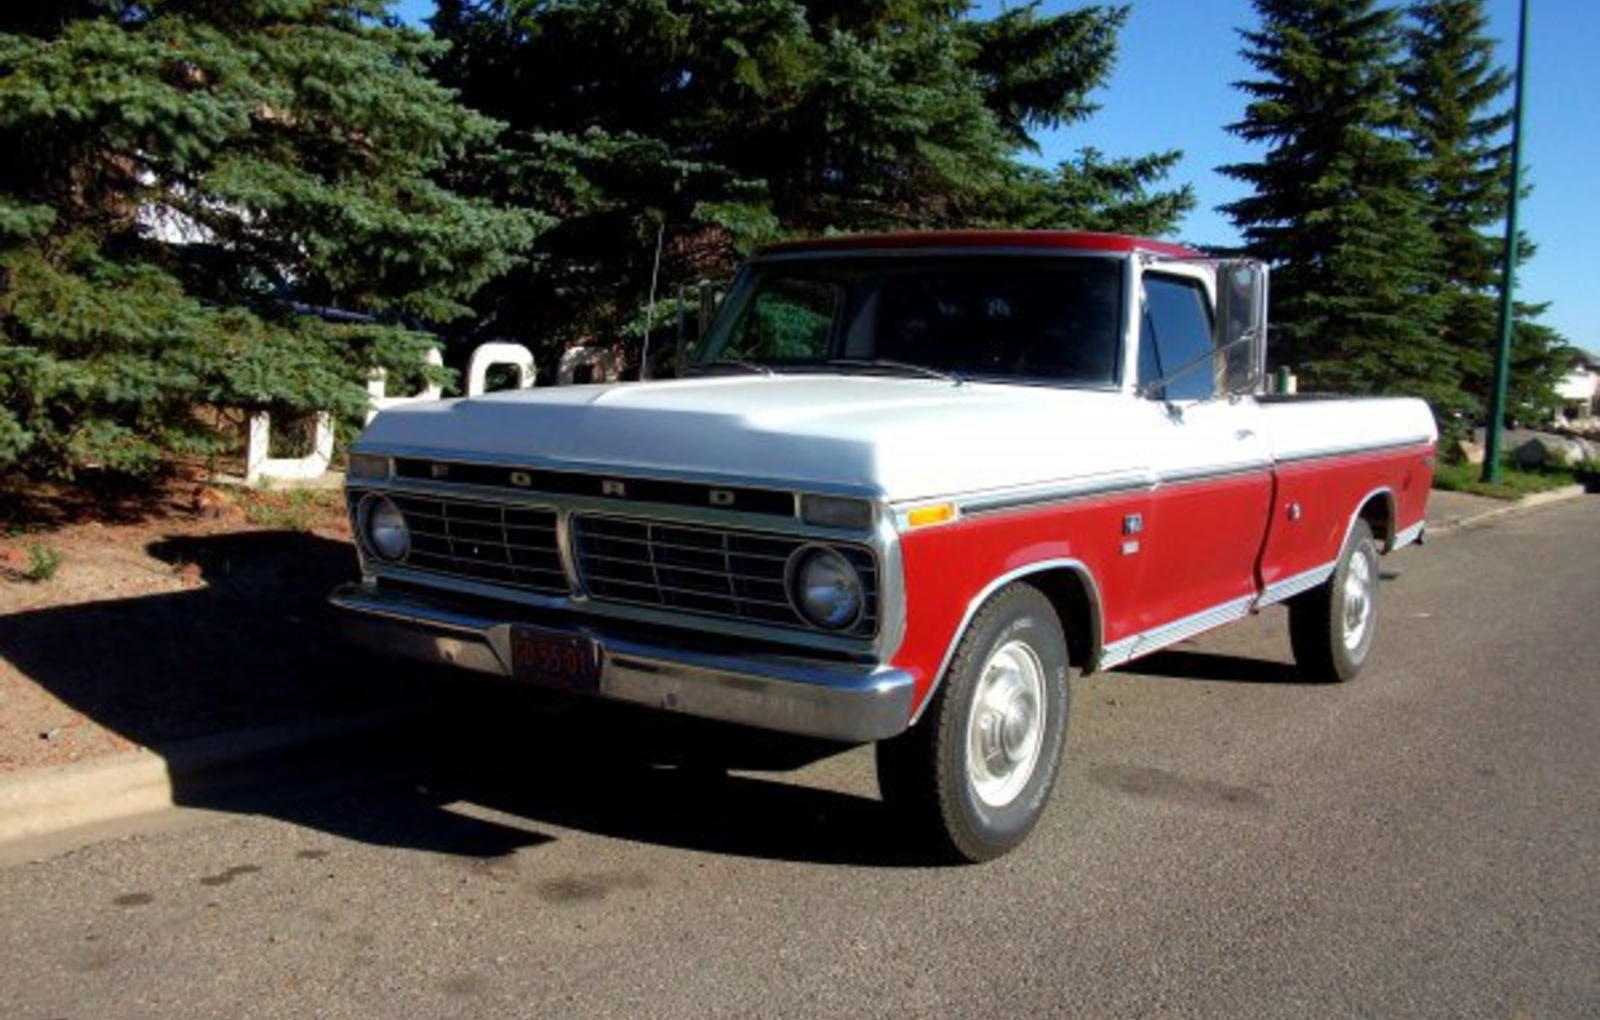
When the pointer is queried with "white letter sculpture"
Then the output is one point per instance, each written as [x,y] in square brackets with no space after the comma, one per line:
[498,354]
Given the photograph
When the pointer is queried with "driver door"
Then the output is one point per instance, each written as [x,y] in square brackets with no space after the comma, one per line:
[1213,467]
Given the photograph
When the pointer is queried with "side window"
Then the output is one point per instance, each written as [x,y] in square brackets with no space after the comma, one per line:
[1175,335]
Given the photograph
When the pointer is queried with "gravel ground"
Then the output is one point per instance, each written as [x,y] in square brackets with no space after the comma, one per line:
[191,617]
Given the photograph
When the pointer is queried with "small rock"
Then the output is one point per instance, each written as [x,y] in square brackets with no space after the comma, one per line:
[214,504]
[1542,450]
[189,574]
[1465,452]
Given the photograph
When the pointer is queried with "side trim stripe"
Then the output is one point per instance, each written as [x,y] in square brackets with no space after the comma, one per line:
[1289,587]
[1071,491]
[981,503]
[1409,535]
[1351,450]
[995,503]
[1189,476]
[1136,645]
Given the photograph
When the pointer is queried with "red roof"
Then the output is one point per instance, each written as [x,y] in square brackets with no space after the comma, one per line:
[1069,240]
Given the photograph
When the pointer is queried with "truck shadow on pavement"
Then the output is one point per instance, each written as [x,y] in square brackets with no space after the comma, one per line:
[253,644]
[478,771]
[510,776]
[1186,665]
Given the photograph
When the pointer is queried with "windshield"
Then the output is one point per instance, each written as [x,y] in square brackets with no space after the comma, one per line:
[1055,320]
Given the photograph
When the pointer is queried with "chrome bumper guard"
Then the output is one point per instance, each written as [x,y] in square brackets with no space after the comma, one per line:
[836,701]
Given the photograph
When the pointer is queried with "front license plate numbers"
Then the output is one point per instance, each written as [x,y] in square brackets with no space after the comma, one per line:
[569,662]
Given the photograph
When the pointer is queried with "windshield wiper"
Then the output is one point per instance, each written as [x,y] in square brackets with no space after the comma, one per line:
[706,367]
[897,367]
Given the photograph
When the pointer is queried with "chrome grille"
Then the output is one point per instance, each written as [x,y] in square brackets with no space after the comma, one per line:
[702,570]
[509,545]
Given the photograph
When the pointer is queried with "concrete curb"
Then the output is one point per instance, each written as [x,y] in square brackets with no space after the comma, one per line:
[47,801]
[1528,502]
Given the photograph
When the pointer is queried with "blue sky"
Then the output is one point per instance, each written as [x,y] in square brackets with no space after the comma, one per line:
[1173,89]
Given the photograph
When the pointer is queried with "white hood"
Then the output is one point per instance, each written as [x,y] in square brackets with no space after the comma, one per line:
[904,439]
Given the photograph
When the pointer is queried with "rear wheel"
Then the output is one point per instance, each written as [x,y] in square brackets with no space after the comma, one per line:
[1331,627]
[976,771]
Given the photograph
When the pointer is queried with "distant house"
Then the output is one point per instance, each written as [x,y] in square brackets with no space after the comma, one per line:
[1579,389]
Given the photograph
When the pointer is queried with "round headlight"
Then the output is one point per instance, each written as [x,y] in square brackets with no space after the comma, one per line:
[385,526]
[826,588]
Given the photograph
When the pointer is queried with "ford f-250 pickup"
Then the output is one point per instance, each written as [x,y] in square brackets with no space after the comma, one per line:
[902,490]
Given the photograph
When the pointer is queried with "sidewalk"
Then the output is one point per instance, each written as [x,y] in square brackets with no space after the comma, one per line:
[235,707]
[1451,511]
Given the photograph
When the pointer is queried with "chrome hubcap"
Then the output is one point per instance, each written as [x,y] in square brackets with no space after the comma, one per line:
[1006,726]
[1357,601]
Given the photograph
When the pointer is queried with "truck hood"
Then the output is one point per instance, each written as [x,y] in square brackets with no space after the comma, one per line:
[900,439]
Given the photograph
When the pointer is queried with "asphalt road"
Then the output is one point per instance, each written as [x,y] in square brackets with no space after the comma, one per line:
[1423,842]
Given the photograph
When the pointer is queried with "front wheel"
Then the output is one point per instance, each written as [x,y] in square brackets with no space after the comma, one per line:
[1331,627]
[976,771]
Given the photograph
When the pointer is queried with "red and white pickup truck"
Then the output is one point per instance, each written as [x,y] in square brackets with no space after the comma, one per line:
[904,489]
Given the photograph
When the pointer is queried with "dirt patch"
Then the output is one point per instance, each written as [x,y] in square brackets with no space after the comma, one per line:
[149,616]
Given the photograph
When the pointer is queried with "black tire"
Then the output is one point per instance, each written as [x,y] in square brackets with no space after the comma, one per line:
[1332,627]
[1013,662]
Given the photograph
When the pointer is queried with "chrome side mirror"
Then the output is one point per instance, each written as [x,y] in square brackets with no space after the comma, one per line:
[1241,325]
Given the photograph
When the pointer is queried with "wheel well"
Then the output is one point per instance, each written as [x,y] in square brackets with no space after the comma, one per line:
[1378,511]
[1073,598]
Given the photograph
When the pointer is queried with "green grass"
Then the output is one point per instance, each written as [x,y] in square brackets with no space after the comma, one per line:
[292,509]
[43,562]
[1514,483]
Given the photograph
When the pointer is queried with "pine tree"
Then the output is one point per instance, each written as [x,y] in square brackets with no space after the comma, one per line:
[1036,75]
[183,180]
[1091,192]
[731,122]
[1452,86]
[1336,204]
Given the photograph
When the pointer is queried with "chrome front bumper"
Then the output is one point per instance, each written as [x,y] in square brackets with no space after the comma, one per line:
[837,701]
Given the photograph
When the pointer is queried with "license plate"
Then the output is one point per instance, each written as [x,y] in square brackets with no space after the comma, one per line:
[568,662]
